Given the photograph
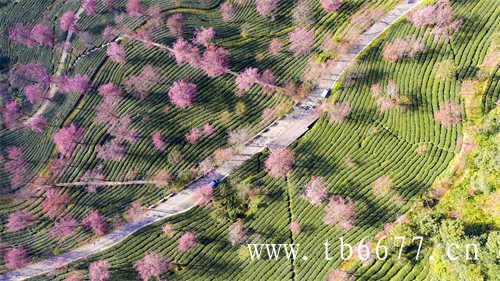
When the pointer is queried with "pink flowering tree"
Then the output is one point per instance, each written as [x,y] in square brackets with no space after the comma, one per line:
[168,230]
[204,36]
[215,61]
[187,241]
[43,35]
[116,52]
[63,228]
[246,79]
[134,8]
[203,195]
[157,141]
[10,115]
[294,228]
[237,233]
[19,220]
[208,129]
[330,5]
[339,213]
[402,48]
[301,41]
[275,46]
[95,222]
[75,276]
[193,135]
[89,7]
[338,111]
[99,271]
[279,162]
[20,34]
[152,265]
[185,53]
[15,258]
[302,14]
[227,11]
[175,24]
[68,21]
[385,98]
[15,165]
[112,150]
[55,202]
[181,93]
[78,84]
[266,8]
[133,212]
[382,185]
[315,191]
[66,139]
[449,114]
[140,85]
[339,275]
[38,124]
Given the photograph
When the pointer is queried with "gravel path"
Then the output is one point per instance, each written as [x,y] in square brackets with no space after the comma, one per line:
[281,133]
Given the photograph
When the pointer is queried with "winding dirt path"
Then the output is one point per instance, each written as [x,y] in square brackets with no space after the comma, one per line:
[281,133]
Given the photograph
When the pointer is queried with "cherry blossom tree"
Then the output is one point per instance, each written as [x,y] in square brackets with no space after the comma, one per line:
[21,75]
[63,228]
[66,139]
[19,220]
[208,129]
[386,99]
[215,61]
[449,113]
[338,111]
[294,228]
[15,165]
[89,7]
[134,8]
[222,154]
[109,90]
[99,271]
[168,230]
[279,162]
[181,93]
[340,213]
[339,275]
[133,212]
[185,52]
[315,191]
[111,150]
[90,177]
[204,36]
[301,41]
[55,202]
[121,129]
[382,185]
[15,258]
[266,8]
[246,79]
[157,141]
[227,11]
[116,52]
[187,241]
[402,48]
[68,21]
[43,35]
[275,46]
[162,179]
[152,265]
[330,5]
[302,14]
[267,81]
[95,222]
[20,34]
[11,113]
[203,195]
[237,233]
[423,16]
[78,84]
[75,276]
[175,24]
[193,135]
[140,85]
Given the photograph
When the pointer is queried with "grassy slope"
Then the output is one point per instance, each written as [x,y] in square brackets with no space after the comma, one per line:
[321,152]
[214,96]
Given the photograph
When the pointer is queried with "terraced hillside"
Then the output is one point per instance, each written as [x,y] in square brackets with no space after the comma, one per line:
[349,156]
[215,99]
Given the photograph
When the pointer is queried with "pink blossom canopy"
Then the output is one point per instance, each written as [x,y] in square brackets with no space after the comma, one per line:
[181,93]
[279,162]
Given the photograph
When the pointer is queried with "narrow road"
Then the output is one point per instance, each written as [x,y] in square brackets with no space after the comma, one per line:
[59,70]
[281,133]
